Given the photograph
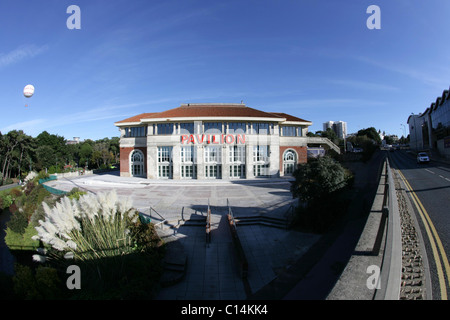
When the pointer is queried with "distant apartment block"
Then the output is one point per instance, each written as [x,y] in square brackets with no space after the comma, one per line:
[339,127]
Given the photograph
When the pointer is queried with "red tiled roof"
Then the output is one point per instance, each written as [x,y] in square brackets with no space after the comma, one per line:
[210,110]
[136,118]
[288,117]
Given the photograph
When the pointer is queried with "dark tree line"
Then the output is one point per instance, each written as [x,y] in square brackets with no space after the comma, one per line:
[21,153]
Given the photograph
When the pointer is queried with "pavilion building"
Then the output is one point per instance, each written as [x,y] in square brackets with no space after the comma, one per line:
[213,141]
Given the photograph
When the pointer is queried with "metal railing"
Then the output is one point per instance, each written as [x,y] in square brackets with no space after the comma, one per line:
[208,224]
[159,223]
[242,259]
[322,140]
[230,213]
[384,211]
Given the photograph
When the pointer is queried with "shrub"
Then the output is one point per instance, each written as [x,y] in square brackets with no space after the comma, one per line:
[18,221]
[24,282]
[6,286]
[41,175]
[29,187]
[39,212]
[119,257]
[7,200]
[144,236]
[317,178]
[318,185]
[95,226]
[23,240]
[37,195]
[44,283]
[16,192]
[75,193]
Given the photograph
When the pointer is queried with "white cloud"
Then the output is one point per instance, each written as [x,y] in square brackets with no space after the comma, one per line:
[21,53]
[438,79]
[29,127]
[363,85]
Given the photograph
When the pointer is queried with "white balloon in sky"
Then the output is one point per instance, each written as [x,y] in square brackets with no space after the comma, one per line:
[28,91]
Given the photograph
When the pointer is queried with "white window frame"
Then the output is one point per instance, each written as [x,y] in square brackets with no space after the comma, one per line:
[165,162]
[289,161]
[137,163]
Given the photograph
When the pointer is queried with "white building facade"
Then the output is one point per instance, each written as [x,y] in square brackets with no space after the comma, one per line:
[212,141]
[430,130]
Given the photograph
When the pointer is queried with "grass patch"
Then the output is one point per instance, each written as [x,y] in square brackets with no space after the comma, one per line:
[17,241]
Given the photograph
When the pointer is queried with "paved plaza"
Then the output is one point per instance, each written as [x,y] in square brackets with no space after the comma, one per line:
[211,269]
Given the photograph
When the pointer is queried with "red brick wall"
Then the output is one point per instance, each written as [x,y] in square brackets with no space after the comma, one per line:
[125,158]
[302,155]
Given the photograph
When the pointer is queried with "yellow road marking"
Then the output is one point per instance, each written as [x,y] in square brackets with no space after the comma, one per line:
[428,224]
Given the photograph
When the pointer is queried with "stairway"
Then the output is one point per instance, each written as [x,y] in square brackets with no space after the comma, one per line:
[175,259]
[262,220]
[175,262]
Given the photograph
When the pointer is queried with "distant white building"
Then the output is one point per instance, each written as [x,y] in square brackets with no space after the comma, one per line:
[339,127]
[76,140]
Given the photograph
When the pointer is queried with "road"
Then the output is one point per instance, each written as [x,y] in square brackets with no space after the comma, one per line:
[428,186]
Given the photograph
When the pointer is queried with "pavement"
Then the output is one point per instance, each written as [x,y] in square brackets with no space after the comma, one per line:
[282,263]
[212,268]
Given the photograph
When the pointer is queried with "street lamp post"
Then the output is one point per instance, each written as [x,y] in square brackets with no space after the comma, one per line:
[404,129]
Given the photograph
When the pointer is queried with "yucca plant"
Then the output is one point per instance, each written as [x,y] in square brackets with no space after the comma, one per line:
[92,227]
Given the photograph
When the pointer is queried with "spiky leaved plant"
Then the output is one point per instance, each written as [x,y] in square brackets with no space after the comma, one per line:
[93,227]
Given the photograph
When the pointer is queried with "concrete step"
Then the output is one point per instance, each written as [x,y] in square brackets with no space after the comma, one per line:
[262,220]
[175,264]
[194,221]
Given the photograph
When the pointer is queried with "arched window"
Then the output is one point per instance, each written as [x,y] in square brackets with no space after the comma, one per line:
[289,161]
[137,163]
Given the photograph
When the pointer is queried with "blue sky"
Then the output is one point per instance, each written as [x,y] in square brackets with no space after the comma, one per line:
[315,59]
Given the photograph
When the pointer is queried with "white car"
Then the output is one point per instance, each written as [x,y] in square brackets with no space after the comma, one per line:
[422,157]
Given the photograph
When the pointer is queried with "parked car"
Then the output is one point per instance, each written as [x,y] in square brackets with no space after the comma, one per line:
[422,157]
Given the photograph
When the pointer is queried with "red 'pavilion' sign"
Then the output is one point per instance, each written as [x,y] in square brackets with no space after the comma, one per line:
[213,138]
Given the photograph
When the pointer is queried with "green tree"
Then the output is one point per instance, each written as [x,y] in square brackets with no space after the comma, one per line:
[318,185]
[57,144]
[13,146]
[318,178]
[85,153]
[114,147]
[370,133]
[330,134]
[45,157]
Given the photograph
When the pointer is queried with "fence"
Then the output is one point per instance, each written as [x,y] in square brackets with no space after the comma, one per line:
[391,267]
[387,199]
[50,178]
[378,247]
[208,224]
[242,259]
[51,189]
